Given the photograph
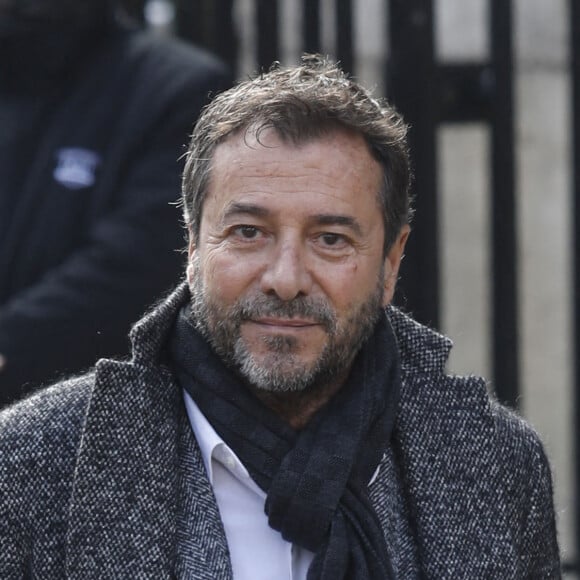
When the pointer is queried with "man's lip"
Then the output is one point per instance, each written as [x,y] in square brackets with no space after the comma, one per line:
[285,322]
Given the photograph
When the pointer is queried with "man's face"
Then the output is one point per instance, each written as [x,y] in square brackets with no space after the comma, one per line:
[288,277]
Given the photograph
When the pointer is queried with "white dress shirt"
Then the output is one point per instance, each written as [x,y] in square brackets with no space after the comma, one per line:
[257,551]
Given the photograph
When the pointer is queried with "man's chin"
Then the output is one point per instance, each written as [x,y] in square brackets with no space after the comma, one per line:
[270,374]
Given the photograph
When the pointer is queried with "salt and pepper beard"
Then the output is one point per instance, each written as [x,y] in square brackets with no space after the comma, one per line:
[280,370]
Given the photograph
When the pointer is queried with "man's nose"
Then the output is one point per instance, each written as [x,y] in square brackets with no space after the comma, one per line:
[287,275]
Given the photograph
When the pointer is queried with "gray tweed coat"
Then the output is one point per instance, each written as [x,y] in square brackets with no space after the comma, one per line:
[100,476]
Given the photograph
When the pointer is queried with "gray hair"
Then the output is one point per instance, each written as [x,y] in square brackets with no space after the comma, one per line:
[302,103]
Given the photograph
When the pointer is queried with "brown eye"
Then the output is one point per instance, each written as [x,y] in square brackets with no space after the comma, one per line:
[247,232]
[331,239]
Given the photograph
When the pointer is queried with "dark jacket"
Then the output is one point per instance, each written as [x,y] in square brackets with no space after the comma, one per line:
[93,238]
[100,477]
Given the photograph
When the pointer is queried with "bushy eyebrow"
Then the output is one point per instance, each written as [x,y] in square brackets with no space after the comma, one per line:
[338,220]
[240,208]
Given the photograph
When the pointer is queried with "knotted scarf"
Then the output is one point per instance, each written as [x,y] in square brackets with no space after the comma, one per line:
[316,479]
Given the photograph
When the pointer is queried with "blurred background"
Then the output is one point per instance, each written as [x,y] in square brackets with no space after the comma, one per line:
[492,90]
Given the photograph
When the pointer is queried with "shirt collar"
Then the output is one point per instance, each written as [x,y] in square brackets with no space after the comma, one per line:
[212,446]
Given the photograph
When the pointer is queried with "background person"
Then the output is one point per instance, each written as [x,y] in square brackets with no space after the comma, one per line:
[94,116]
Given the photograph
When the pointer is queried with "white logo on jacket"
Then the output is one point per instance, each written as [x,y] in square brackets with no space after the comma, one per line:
[76,167]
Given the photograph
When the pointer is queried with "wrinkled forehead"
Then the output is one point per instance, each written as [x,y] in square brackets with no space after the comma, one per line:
[340,160]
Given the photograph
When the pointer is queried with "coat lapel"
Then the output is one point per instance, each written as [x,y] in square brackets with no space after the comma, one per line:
[387,498]
[142,506]
[455,497]
[202,550]
[447,449]
[123,507]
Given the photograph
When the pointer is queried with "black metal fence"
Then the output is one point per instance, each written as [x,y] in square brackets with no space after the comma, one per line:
[575,69]
[429,93]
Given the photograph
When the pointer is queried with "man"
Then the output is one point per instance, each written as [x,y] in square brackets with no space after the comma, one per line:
[93,118]
[275,421]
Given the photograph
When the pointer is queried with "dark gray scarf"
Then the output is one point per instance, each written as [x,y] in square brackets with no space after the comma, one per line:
[316,479]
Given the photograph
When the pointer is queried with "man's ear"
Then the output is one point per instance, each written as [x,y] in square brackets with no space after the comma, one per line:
[392,264]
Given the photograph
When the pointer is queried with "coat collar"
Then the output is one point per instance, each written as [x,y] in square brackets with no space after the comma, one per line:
[447,449]
[141,505]
[123,506]
[149,335]
[137,488]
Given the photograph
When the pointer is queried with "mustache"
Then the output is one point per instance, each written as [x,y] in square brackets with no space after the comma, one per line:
[315,309]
